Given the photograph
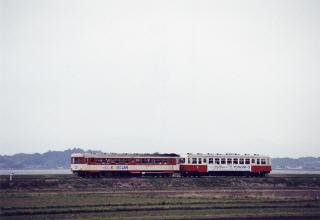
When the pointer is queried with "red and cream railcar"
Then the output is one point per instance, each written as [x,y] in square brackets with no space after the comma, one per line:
[224,164]
[86,164]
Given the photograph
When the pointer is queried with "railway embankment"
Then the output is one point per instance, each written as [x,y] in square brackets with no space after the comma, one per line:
[69,183]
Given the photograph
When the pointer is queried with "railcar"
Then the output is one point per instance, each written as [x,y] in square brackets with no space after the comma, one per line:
[224,164]
[194,165]
[97,165]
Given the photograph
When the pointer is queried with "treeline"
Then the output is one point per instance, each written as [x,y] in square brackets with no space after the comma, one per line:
[48,160]
[61,160]
[303,163]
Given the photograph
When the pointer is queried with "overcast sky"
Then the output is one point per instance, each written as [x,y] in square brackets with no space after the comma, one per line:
[167,76]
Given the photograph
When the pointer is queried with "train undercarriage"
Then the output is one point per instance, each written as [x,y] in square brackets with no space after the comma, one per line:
[105,174]
[225,173]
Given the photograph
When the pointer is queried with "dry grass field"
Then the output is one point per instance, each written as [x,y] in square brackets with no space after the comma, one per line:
[70,197]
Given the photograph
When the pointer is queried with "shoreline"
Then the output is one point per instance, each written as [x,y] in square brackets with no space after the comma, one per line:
[68,171]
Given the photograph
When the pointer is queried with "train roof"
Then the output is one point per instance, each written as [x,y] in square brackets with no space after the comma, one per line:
[223,155]
[124,155]
[130,155]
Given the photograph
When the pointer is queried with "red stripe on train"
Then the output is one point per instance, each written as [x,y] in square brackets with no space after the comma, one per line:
[193,168]
[130,171]
[257,168]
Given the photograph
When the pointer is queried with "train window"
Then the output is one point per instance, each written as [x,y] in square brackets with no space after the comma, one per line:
[241,161]
[235,160]
[194,160]
[182,160]
[258,161]
[229,161]
[223,160]
[189,161]
[263,161]
[199,160]
[253,161]
[217,160]
[210,160]
[126,161]
[247,160]
[204,160]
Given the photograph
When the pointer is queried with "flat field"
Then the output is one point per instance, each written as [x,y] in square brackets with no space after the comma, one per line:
[71,197]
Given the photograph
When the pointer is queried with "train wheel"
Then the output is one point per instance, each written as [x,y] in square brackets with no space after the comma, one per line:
[170,175]
[108,174]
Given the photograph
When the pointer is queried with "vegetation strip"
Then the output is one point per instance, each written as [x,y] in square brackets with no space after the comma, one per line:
[254,203]
[147,209]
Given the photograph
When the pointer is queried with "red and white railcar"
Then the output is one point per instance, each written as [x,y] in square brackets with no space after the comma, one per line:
[87,164]
[225,164]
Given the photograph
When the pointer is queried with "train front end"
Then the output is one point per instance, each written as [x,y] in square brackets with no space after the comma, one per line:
[78,163]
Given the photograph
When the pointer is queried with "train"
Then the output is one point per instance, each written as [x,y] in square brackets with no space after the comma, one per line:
[169,165]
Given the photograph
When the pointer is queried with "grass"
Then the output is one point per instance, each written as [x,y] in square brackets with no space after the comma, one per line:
[68,197]
[138,204]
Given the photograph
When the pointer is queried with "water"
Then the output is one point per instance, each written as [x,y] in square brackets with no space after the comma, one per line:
[34,172]
[67,171]
[295,172]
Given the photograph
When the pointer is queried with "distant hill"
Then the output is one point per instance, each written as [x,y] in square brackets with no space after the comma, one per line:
[48,160]
[61,160]
[302,163]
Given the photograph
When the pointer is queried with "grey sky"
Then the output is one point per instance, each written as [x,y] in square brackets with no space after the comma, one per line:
[166,76]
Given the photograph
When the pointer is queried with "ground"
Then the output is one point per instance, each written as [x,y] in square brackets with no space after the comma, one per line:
[71,197]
